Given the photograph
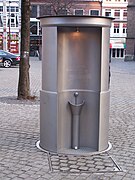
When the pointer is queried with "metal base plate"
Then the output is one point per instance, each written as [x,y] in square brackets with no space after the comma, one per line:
[82,151]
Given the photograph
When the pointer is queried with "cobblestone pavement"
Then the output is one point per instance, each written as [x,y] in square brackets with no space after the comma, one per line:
[19,132]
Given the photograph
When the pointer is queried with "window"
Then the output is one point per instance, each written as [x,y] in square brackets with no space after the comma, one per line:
[45,10]
[125,14]
[12,9]
[108,12]
[8,9]
[117,14]
[62,12]
[13,19]
[124,28]
[1,16]
[79,12]
[117,53]
[113,52]
[94,12]
[122,53]
[17,9]
[1,8]
[33,11]
[1,19]
[33,27]
[17,21]
[3,53]
[116,28]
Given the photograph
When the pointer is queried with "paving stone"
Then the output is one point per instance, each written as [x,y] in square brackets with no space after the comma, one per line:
[72,158]
[81,160]
[91,165]
[6,178]
[54,158]
[81,164]
[73,166]
[64,164]
[24,176]
[99,167]
[64,168]
[63,160]
[55,167]
[55,163]
[99,163]
[90,161]
[72,162]
[83,168]
[74,170]
[63,157]
[91,169]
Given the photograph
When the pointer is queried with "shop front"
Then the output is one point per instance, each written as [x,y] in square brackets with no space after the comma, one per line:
[117,49]
[13,42]
[35,45]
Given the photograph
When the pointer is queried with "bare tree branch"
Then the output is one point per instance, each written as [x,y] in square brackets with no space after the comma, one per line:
[59,6]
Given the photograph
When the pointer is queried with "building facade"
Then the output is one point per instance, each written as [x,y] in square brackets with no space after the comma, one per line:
[10,22]
[130,42]
[48,7]
[118,10]
[110,8]
[10,18]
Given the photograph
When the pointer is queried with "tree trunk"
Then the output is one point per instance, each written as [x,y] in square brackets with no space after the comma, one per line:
[24,81]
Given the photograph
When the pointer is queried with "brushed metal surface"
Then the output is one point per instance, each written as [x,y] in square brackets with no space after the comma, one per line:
[97,21]
[79,55]
[49,59]
[105,59]
[48,121]
[89,119]
[104,120]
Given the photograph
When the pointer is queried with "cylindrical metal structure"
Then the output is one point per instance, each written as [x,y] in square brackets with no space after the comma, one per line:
[75,58]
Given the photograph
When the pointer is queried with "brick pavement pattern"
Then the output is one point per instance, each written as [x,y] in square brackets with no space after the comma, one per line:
[19,131]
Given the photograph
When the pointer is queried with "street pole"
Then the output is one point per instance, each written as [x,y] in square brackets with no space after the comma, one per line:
[9,33]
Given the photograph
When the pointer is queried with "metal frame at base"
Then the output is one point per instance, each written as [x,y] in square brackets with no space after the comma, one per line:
[84,152]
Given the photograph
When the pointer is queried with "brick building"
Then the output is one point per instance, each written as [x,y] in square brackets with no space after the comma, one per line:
[130,41]
[71,7]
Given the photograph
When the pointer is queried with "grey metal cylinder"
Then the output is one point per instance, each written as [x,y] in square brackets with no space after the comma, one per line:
[75,58]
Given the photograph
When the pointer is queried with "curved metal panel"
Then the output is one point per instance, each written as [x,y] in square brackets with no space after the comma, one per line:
[97,21]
